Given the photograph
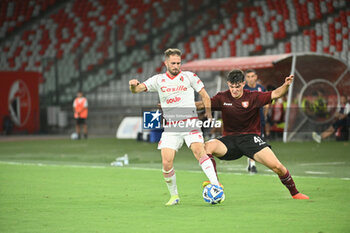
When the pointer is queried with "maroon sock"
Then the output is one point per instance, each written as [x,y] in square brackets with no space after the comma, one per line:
[214,163]
[287,180]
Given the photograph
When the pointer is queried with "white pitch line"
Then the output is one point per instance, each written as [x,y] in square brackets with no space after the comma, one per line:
[148,169]
[322,164]
[316,173]
[52,165]
[236,169]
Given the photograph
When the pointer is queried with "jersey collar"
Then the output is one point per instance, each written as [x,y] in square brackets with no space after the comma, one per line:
[172,78]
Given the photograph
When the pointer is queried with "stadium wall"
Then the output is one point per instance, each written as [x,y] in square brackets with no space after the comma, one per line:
[19,102]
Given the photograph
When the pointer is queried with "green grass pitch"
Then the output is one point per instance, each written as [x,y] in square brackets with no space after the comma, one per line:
[69,186]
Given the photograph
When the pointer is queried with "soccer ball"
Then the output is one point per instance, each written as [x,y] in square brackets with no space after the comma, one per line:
[74,136]
[213,194]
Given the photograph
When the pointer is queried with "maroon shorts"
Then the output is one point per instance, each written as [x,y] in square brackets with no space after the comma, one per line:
[244,144]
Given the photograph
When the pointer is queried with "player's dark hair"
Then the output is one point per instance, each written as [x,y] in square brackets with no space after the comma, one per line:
[169,52]
[250,71]
[235,76]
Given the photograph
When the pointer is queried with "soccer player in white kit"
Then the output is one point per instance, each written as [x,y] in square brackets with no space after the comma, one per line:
[176,93]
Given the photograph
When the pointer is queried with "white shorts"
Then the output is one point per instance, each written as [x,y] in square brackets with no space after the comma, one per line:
[174,140]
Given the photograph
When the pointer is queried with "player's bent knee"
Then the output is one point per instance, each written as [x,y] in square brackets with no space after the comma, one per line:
[210,146]
[167,165]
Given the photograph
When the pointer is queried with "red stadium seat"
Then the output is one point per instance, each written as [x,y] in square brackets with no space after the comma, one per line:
[16,13]
[83,30]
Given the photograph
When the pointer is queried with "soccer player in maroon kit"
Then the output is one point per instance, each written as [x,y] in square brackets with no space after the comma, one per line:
[241,119]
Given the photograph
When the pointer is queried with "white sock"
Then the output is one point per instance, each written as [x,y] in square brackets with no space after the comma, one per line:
[251,162]
[170,180]
[208,168]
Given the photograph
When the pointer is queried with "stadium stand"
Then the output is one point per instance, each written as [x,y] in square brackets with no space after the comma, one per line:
[86,34]
[97,45]
[330,36]
[260,25]
[13,13]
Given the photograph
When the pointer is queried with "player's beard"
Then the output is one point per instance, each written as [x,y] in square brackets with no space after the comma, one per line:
[174,72]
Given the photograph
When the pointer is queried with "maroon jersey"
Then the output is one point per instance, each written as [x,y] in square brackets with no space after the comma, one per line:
[241,116]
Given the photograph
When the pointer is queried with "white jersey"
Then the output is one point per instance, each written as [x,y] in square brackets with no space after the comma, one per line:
[176,94]
[346,109]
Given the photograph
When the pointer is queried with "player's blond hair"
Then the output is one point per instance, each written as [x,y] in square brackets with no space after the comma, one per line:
[171,51]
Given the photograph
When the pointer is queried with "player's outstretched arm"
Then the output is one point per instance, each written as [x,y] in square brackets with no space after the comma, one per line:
[136,87]
[282,90]
[206,102]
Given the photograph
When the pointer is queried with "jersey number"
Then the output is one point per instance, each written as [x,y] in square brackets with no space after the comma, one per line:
[258,139]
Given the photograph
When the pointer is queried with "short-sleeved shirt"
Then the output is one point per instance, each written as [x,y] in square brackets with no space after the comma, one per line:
[343,122]
[176,94]
[240,116]
[345,109]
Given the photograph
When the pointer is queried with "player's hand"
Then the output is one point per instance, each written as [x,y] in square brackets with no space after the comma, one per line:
[134,82]
[208,115]
[289,80]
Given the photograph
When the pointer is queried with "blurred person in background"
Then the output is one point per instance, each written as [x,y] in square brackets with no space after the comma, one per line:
[252,84]
[80,107]
[340,126]
[315,105]
[7,125]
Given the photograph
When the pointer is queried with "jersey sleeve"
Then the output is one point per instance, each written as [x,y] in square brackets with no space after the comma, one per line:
[216,102]
[196,83]
[262,98]
[151,84]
